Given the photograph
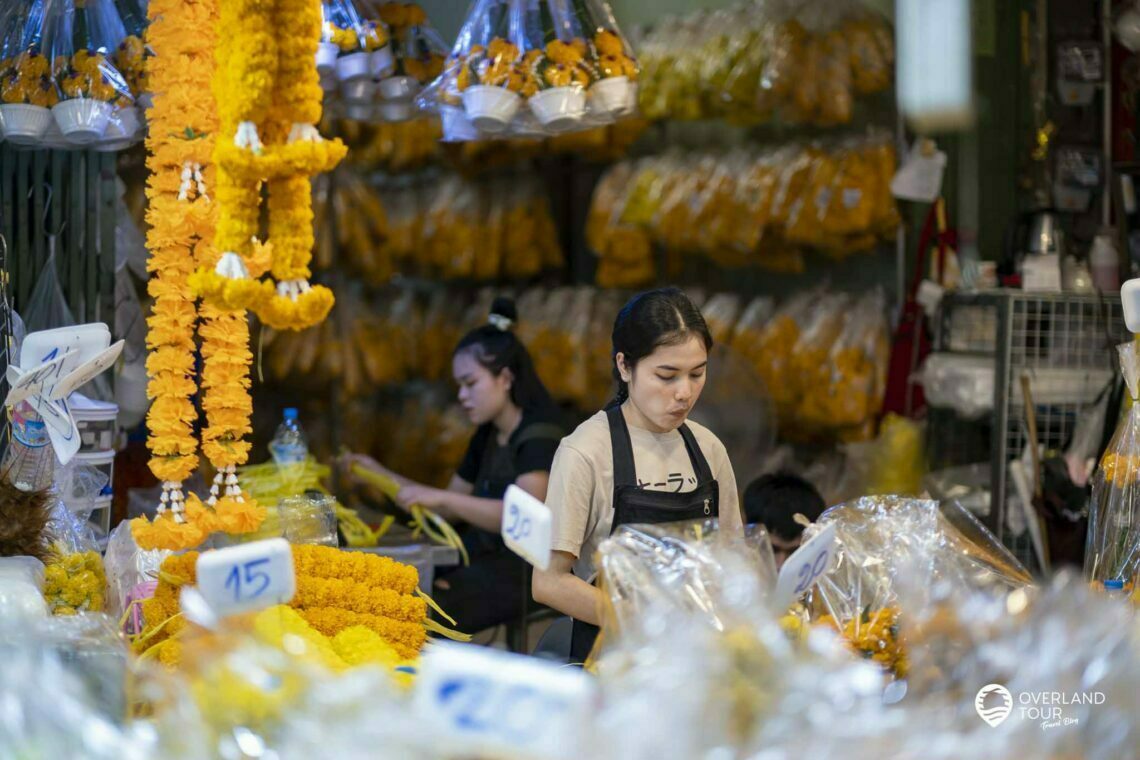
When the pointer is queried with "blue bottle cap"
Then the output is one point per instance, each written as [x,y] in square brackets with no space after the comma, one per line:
[291,414]
[1114,585]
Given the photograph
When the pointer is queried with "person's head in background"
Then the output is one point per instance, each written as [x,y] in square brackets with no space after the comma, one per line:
[494,370]
[774,501]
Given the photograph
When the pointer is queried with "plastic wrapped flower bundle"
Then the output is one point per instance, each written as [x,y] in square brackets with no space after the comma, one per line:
[354,51]
[59,85]
[567,59]
[761,208]
[1112,556]
[81,40]
[883,542]
[418,56]
[800,62]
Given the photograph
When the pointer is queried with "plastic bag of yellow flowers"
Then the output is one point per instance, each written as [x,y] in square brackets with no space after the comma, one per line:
[890,553]
[844,391]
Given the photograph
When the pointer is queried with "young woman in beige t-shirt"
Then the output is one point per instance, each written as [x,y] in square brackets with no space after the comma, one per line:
[637,461]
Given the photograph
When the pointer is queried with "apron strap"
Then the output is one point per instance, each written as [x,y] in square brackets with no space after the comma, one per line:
[700,464]
[625,474]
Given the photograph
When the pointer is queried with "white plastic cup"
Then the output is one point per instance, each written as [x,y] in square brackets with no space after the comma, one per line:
[611,97]
[24,124]
[122,130]
[381,63]
[489,108]
[327,53]
[358,90]
[398,88]
[396,110]
[559,108]
[82,120]
[353,66]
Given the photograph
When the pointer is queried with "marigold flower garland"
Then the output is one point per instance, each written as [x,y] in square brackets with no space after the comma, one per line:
[336,591]
[267,87]
[183,218]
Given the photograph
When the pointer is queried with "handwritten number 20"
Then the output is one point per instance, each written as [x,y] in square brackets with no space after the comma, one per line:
[808,573]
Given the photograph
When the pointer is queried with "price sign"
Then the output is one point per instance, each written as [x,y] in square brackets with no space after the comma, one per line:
[248,577]
[489,703]
[527,524]
[803,568]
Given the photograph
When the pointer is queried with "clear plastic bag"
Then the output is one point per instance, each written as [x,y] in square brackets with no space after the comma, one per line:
[21,589]
[418,47]
[530,68]
[80,40]
[721,313]
[688,566]
[452,229]
[27,92]
[132,573]
[845,392]
[890,545]
[1112,555]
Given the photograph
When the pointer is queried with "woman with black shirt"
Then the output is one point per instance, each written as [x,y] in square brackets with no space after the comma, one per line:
[519,428]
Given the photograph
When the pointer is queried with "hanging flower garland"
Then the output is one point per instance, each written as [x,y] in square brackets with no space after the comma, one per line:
[268,87]
[181,219]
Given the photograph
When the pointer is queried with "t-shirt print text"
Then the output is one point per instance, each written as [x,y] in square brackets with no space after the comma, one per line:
[675,481]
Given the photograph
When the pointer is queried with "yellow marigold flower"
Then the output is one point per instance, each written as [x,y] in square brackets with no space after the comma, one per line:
[406,638]
[564,53]
[608,43]
[500,49]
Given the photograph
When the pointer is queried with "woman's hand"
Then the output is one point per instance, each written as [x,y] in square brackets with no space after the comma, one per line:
[428,498]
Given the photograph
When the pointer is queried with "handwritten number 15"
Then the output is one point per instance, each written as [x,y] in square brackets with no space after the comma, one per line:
[254,581]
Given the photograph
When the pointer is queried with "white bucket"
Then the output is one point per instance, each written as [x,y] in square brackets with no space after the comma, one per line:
[82,120]
[22,123]
[358,90]
[352,66]
[396,110]
[381,63]
[490,109]
[398,88]
[612,97]
[559,108]
[456,126]
[327,53]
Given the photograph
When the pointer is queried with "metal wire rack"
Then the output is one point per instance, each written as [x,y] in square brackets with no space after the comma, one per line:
[1065,343]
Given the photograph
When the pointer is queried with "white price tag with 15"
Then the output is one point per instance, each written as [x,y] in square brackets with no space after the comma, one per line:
[249,577]
[527,525]
[803,568]
[481,702]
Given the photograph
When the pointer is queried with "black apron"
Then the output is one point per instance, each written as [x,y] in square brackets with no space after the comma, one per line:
[633,504]
[497,471]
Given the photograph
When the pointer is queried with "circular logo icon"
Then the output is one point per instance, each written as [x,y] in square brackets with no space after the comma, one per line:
[994,703]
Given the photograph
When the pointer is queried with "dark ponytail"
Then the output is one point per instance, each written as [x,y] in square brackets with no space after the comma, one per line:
[496,347]
[663,317]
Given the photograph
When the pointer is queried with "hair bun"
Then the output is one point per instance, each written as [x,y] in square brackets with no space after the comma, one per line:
[504,308]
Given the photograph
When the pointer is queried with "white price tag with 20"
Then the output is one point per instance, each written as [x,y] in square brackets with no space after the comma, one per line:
[527,525]
[803,568]
[482,702]
[249,577]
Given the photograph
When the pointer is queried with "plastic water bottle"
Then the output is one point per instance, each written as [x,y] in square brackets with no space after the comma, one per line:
[288,446]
